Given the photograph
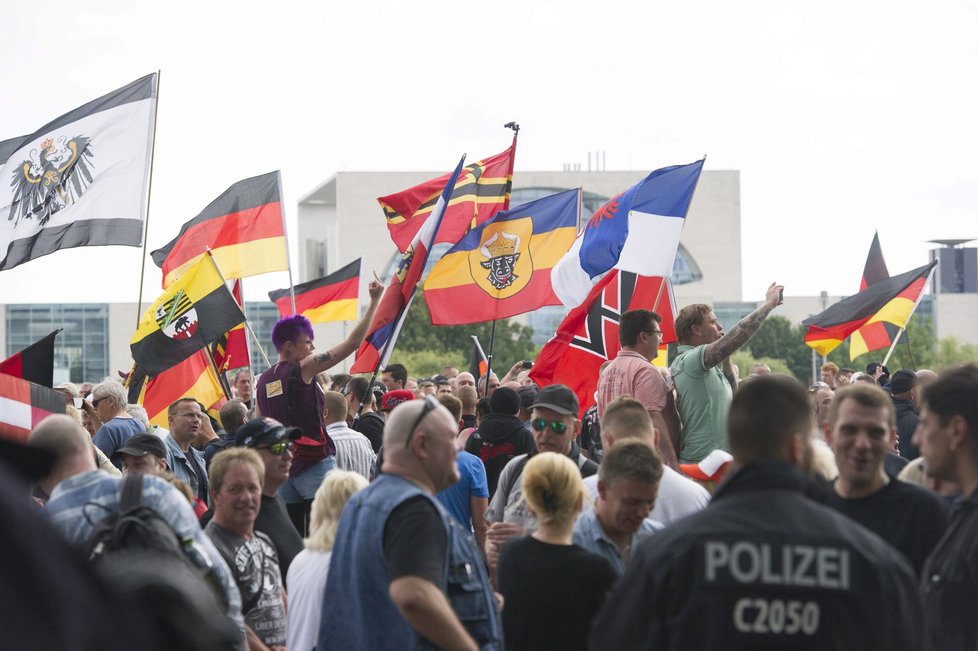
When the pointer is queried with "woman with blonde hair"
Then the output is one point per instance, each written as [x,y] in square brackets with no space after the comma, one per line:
[307,573]
[551,587]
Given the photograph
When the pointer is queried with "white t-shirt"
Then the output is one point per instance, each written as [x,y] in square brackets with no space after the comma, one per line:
[307,582]
[678,497]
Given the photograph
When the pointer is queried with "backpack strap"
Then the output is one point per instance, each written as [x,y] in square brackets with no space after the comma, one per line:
[132,492]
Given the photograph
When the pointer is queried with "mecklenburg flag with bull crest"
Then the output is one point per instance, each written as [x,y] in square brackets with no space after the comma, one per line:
[243,227]
[196,310]
[878,311]
[482,190]
[502,268]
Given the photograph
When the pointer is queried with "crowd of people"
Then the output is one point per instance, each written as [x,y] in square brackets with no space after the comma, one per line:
[688,508]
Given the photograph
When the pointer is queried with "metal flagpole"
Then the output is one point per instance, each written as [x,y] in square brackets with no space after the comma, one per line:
[261,350]
[149,195]
[285,231]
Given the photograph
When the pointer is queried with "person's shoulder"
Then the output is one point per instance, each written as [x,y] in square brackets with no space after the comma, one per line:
[914,496]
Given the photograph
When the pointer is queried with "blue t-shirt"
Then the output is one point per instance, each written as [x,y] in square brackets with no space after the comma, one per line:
[113,435]
[473,483]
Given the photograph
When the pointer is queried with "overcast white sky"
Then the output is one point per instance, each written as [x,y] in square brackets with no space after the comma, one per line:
[842,117]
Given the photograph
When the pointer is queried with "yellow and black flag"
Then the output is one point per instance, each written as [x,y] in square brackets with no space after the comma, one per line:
[480,191]
[875,310]
[194,311]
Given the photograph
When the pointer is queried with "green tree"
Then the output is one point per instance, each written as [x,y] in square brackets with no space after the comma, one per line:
[512,341]
[779,340]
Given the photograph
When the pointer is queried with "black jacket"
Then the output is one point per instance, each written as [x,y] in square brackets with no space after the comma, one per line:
[907,420]
[949,582]
[762,567]
[499,438]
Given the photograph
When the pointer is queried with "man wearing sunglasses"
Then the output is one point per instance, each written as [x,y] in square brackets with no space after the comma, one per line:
[555,427]
[273,443]
[404,572]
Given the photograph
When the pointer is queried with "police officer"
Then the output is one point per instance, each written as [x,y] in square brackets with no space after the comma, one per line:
[764,566]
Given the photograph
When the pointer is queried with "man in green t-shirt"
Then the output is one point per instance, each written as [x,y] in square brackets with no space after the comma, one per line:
[704,374]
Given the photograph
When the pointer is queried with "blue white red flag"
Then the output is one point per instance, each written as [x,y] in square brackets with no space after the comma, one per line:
[636,231]
[375,351]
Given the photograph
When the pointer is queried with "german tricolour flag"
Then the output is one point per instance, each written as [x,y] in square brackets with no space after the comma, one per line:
[194,378]
[875,269]
[885,305]
[502,268]
[194,311]
[331,298]
[480,192]
[243,227]
[35,363]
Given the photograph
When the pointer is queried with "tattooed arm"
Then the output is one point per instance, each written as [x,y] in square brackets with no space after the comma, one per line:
[730,342]
[319,362]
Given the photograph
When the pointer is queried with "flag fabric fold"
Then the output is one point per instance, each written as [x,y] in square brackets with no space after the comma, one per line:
[875,269]
[243,227]
[35,363]
[81,179]
[23,405]
[478,362]
[334,297]
[888,303]
[193,312]
[637,231]
[588,335]
[376,348]
[502,268]
[479,192]
[231,350]
[192,378]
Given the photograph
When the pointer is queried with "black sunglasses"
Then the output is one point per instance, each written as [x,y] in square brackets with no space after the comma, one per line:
[98,400]
[430,404]
[540,424]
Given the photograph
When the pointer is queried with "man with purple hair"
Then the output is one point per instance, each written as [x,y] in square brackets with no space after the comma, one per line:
[288,393]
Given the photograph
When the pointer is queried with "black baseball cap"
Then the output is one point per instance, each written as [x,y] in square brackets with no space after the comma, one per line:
[559,398]
[140,445]
[264,431]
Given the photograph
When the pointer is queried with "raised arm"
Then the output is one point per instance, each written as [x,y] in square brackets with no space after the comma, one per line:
[731,341]
[319,362]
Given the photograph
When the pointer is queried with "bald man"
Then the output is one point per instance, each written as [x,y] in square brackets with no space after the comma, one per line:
[390,586]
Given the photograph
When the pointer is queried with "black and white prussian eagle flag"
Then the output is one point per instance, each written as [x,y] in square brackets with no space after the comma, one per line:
[80,180]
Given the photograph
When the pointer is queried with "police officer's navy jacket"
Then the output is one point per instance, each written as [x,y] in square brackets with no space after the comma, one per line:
[763,567]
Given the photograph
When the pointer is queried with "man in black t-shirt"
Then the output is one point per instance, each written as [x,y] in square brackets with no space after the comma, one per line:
[370,423]
[861,429]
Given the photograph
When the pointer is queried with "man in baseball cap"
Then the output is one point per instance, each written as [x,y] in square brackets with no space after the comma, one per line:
[142,454]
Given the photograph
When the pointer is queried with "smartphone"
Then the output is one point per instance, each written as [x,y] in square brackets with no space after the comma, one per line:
[527,364]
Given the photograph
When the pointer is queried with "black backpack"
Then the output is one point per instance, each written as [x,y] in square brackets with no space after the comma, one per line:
[143,558]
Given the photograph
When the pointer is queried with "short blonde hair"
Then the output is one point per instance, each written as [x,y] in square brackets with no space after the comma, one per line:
[332,495]
[223,460]
[552,487]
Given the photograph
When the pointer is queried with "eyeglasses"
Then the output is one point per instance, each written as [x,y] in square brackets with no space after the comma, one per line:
[278,449]
[654,332]
[98,400]
[540,424]
[430,404]
[192,414]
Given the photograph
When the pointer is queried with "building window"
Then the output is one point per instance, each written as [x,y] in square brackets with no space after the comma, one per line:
[81,350]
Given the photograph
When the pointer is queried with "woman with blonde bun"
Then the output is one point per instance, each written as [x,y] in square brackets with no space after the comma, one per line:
[551,587]
[307,573]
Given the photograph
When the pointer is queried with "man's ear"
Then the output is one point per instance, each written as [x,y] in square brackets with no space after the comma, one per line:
[602,489]
[796,448]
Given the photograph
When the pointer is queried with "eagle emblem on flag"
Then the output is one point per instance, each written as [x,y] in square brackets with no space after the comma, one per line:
[53,177]
[177,317]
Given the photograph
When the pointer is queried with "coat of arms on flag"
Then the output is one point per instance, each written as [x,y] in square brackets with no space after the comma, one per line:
[177,317]
[52,177]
